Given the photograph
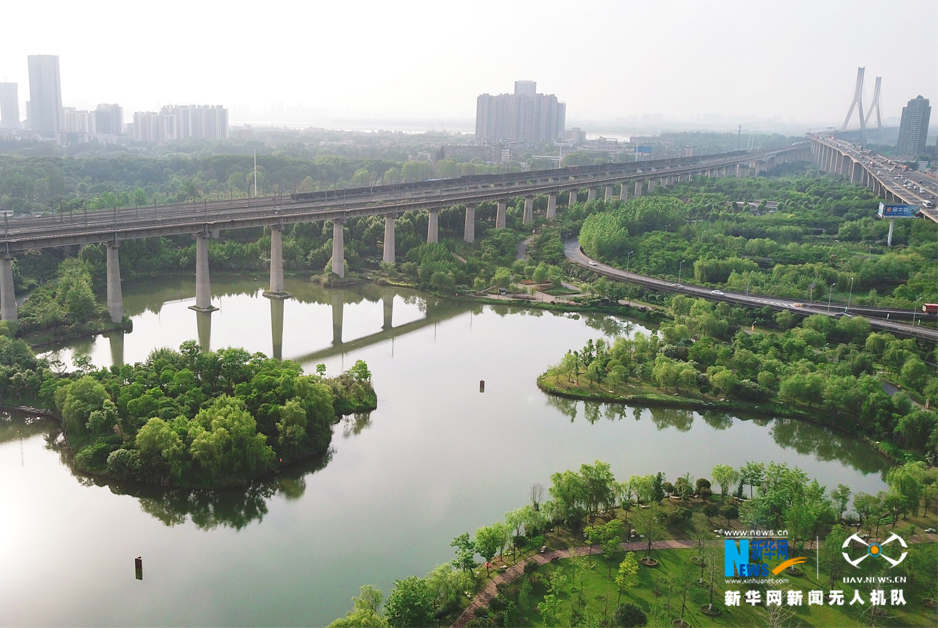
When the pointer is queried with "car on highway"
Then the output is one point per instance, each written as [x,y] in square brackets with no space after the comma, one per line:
[676,285]
[717,292]
[592,263]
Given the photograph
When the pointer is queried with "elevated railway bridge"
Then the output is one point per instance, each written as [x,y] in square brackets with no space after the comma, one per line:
[206,219]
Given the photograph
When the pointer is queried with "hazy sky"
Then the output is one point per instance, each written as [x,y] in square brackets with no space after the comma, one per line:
[794,59]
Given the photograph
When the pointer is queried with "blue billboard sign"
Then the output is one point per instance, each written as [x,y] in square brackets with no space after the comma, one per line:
[898,211]
[643,150]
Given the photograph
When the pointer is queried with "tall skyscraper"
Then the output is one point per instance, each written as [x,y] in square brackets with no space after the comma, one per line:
[9,106]
[45,95]
[913,129]
[109,120]
[525,116]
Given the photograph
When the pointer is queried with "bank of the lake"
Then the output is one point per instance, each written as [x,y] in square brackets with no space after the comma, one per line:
[437,458]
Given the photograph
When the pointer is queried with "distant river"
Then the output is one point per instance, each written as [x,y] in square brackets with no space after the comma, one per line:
[437,458]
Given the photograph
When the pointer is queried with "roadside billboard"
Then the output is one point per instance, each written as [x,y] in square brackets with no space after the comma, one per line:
[898,211]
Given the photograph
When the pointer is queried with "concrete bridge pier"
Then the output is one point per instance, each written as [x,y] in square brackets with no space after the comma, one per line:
[608,196]
[276,266]
[338,308]
[276,328]
[572,197]
[433,227]
[651,185]
[338,247]
[7,293]
[528,209]
[469,231]
[551,206]
[203,320]
[115,303]
[387,304]
[389,246]
[203,286]
[500,214]
[591,195]
[624,191]
[638,189]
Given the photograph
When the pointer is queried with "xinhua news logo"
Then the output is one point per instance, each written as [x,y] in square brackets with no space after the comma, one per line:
[854,543]
[752,558]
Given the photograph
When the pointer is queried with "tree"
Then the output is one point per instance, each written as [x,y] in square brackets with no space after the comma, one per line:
[841,497]
[628,616]
[752,473]
[410,604]
[465,552]
[488,539]
[365,611]
[725,476]
[610,538]
[627,575]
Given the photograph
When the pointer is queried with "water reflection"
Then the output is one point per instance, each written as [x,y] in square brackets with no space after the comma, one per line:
[209,509]
[276,328]
[807,439]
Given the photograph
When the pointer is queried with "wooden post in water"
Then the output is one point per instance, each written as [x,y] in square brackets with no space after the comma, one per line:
[138,567]
[481,385]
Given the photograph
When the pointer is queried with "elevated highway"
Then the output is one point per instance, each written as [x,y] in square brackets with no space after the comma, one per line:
[865,168]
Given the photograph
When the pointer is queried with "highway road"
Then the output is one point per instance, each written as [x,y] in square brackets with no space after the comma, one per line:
[575,254]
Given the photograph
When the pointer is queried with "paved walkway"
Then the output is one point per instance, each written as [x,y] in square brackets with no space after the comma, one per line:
[484,596]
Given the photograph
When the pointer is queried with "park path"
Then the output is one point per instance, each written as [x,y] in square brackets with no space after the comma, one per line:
[484,596]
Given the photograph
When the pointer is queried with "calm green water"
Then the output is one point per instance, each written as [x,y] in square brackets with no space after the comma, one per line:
[436,459]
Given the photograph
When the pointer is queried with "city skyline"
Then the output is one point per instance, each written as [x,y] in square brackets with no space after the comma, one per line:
[706,61]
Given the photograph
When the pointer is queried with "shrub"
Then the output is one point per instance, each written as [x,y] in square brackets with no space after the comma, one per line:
[730,512]
[628,616]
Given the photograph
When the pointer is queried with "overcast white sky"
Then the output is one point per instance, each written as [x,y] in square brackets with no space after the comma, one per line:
[795,59]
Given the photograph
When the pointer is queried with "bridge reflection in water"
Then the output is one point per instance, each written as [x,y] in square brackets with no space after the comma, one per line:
[434,310]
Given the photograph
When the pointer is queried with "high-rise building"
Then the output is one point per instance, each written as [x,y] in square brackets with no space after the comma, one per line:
[9,106]
[199,121]
[78,121]
[525,116]
[913,129]
[45,95]
[109,119]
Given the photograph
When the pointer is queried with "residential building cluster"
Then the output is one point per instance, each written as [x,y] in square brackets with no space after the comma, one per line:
[46,118]
[524,117]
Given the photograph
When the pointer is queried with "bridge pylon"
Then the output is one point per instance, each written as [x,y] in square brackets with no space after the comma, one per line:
[857,102]
[875,105]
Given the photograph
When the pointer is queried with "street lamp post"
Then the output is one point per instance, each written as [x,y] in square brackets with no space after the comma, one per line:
[628,261]
[679,269]
[850,296]
[811,292]
[829,293]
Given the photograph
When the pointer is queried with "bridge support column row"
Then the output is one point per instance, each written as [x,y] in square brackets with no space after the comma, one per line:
[433,227]
[528,209]
[203,286]
[551,206]
[338,247]
[500,214]
[389,245]
[7,292]
[469,233]
[115,303]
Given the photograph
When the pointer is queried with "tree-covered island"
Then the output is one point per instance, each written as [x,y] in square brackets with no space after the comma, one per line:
[187,417]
